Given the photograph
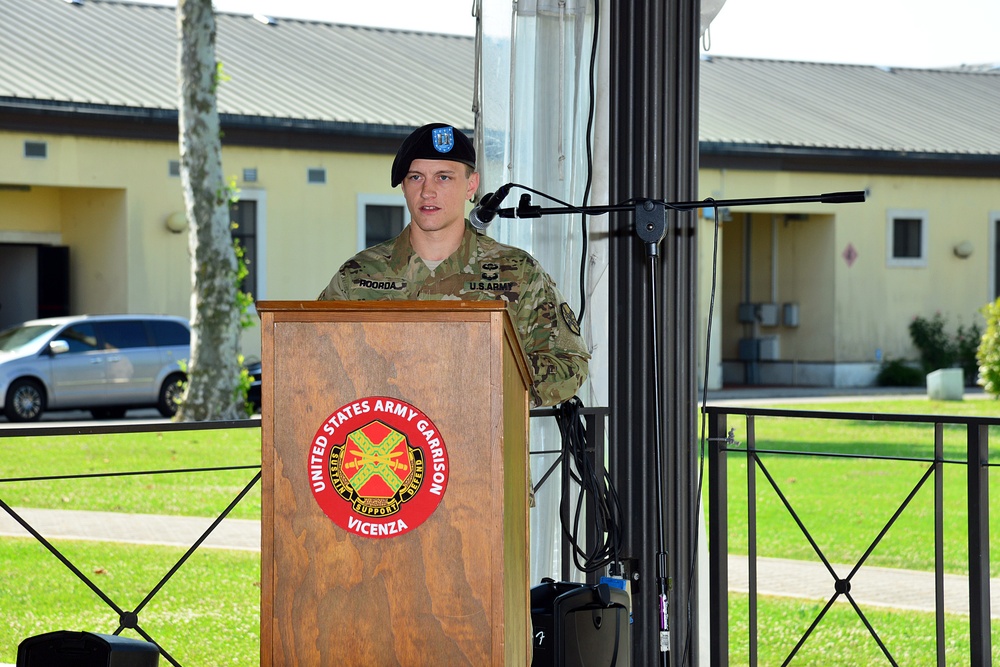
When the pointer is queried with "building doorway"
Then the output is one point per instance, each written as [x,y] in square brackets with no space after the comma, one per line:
[34,282]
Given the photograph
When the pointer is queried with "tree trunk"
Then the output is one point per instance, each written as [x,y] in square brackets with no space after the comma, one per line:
[214,370]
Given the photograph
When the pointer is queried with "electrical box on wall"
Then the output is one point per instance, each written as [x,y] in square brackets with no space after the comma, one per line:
[748,349]
[790,314]
[768,349]
[764,348]
[767,313]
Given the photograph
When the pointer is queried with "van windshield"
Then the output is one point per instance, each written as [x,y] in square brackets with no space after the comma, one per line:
[20,336]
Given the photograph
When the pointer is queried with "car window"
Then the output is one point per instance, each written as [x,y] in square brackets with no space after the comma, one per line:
[167,332]
[123,335]
[18,336]
[79,337]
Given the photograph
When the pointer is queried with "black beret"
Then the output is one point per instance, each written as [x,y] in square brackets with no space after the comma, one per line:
[435,141]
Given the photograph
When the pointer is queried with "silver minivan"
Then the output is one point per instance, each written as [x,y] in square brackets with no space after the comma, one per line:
[102,363]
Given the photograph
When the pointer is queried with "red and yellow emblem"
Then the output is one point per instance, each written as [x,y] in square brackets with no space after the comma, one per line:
[378,467]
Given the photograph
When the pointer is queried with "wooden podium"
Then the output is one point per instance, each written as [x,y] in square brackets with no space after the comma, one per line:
[452,590]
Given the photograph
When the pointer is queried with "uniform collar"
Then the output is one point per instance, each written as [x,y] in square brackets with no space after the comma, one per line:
[402,251]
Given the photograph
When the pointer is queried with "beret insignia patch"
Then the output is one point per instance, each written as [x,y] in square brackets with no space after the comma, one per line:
[443,139]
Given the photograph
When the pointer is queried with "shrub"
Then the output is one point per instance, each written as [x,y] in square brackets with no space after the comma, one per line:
[898,373]
[928,336]
[967,343]
[939,350]
[988,352]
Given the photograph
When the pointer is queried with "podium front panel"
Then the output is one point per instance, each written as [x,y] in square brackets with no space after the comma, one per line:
[452,590]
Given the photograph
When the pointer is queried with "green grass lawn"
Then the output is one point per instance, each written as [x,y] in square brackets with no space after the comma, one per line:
[841,638]
[185,494]
[208,613]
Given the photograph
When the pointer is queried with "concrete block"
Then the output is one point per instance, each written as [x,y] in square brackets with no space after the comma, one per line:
[946,384]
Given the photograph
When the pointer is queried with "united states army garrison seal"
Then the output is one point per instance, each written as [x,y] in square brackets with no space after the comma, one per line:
[378,467]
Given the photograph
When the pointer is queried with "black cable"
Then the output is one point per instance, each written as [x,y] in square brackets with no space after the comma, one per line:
[588,141]
[596,491]
[704,402]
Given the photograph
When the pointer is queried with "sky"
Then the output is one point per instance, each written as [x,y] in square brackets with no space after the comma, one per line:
[892,33]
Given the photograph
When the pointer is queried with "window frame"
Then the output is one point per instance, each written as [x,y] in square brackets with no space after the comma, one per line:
[260,239]
[894,214]
[365,200]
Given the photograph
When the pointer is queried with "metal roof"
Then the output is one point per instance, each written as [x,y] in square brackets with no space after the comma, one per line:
[783,103]
[123,55]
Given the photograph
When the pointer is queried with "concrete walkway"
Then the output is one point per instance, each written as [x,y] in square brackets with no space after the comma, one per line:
[900,589]
[871,586]
[240,534]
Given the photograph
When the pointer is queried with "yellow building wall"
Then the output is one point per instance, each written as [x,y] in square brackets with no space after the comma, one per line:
[108,200]
[854,311]
[30,211]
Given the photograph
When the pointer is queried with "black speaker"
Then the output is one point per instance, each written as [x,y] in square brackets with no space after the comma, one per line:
[65,648]
[579,625]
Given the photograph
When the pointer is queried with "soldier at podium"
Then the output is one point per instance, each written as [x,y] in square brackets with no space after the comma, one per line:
[439,255]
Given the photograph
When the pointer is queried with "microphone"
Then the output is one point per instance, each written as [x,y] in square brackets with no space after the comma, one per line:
[853,197]
[481,216]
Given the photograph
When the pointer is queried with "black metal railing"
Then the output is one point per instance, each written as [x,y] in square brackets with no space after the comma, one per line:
[593,418]
[127,618]
[722,445]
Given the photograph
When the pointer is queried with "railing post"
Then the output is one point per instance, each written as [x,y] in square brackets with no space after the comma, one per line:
[752,539]
[718,541]
[979,544]
[939,621]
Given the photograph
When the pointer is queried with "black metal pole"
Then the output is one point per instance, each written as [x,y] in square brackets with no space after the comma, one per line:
[650,227]
[978,439]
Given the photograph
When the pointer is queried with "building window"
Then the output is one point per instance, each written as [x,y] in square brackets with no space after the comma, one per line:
[244,229]
[380,218]
[906,239]
[36,149]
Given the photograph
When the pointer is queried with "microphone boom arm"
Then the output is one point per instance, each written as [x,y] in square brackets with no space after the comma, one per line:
[525,210]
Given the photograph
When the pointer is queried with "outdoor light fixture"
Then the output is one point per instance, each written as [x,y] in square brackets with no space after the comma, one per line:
[177,222]
[963,250]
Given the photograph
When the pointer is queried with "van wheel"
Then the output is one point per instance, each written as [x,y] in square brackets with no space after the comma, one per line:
[25,401]
[171,393]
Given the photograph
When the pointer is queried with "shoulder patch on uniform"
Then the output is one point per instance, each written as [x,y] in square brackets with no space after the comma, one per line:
[569,318]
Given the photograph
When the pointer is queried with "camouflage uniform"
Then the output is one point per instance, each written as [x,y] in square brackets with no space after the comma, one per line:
[480,270]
